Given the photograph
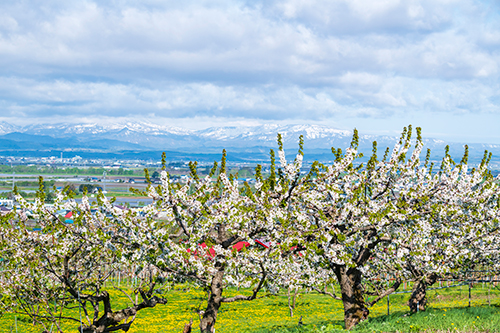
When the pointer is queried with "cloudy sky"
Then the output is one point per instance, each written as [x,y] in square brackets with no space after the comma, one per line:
[375,65]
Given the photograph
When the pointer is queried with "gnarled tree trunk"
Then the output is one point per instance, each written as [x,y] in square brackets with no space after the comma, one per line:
[418,299]
[355,309]
[111,320]
[207,322]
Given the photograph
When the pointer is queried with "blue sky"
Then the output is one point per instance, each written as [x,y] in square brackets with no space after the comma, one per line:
[374,65]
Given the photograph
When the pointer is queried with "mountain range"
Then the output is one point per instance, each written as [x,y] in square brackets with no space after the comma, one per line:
[243,143]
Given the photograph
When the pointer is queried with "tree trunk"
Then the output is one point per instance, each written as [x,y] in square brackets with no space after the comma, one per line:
[355,309]
[118,320]
[418,299]
[292,299]
[207,322]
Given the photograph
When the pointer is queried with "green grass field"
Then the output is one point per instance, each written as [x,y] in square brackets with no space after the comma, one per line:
[448,311]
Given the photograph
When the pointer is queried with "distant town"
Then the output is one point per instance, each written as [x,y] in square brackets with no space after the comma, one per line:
[113,177]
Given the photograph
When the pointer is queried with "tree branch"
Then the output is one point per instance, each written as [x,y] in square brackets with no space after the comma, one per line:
[324,292]
[387,292]
[255,291]
[130,298]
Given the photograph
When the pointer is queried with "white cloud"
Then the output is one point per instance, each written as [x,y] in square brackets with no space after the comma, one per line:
[283,59]
[352,95]
[194,40]
[366,16]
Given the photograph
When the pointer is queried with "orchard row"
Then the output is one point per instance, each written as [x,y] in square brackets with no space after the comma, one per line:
[369,227]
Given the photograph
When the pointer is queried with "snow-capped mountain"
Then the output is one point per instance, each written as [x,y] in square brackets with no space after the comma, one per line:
[268,133]
[142,136]
[165,137]
[6,128]
[58,130]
